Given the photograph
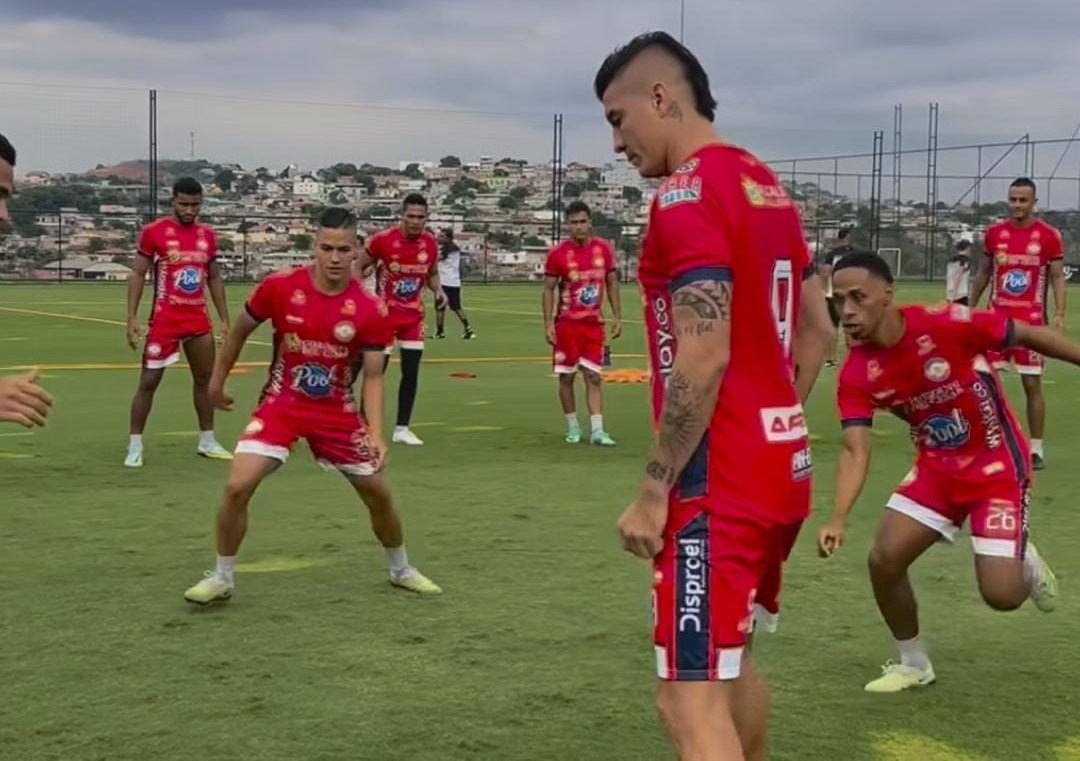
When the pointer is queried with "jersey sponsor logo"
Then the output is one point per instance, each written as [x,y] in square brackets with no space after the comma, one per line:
[202,245]
[298,298]
[937,370]
[308,348]
[1034,248]
[950,431]
[935,396]
[313,380]
[765,196]
[589,295]
[407,288]
[784,423]
[873,370]
[988,414]
[349,308]
[188,280]
[689,166]
[679,189]
[665,335]
[422,257]
[292,319]
[925,344]
[153,350]
[1015,282]
[802,465]
[345,332]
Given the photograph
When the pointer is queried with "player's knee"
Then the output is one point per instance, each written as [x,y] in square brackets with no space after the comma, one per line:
[201,378]
[593,378]
[885,561]
[566,379]
[238,490]
[1003,600]
[149,381]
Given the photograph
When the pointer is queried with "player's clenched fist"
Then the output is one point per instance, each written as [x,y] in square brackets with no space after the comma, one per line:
[22,401]
[641,527]
[134,334]
[831,537]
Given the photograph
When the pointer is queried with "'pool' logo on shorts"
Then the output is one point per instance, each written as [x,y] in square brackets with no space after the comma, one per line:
[1015,282]
[189,280]
[407,288]
[313,380]
[589,295]
[946,431]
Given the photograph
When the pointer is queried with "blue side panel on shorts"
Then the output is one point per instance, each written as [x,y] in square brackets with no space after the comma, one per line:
[693,642]
[694,480]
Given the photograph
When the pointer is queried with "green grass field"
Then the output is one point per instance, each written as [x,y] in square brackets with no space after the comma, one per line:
[540,648]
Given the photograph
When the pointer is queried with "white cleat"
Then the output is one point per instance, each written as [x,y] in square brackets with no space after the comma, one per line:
[896,677]
[133,459]
[405,436]
[1044,593]
[213,451]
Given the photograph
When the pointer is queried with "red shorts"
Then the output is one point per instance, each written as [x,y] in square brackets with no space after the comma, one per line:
[1026,361]
[408,330]
[716,578]
[578,344]
[997,506]
[167,330]
[336,438]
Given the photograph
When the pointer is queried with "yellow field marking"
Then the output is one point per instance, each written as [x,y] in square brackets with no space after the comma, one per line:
[83,318]
[424,425]
[475,428]
[14,338]
[13,435]
[179,433]
[1068,750]
[907,746]
[274,565]
[14,456]
[477,404]
[535,314]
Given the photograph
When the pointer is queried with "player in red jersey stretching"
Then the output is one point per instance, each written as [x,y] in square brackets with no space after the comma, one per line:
[183,256]
[1021,254]
[726,276]
[581,269]
[928,366]
[327,329]
[406,260]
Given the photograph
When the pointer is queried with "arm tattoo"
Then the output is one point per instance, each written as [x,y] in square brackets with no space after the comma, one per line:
[706,299]
[682,406]
[660,472]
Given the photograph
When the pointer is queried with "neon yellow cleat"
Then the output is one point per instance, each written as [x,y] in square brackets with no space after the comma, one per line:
[212,588]
[896,677]
[213,451]
[415,581]
[1044,594]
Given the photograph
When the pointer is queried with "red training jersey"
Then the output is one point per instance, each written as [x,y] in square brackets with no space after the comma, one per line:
[404,267]
[724,215]
[180,257]
[317,337]
[938,380]
[1021,258]
[582,272]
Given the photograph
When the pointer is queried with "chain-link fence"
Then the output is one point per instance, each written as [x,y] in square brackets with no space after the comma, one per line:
[96,164]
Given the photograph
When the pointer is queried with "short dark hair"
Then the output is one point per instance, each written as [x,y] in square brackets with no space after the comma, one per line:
[868,261]
[447,232]
[187,186]
[7,151]
[704,102]
[843,232]
[576,207]
[1023,182]
[963,245]
[337,218]
[413,199]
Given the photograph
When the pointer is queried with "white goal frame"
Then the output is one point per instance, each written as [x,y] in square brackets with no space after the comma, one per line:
[894,258]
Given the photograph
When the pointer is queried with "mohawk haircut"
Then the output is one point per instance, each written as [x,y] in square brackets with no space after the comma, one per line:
[1023,182]
[576,207]
[868,261]
[337,218]
[187,186]
[692,70]
[7,151]
[413,199]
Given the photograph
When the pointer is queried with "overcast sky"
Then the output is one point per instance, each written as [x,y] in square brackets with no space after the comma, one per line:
[794,78]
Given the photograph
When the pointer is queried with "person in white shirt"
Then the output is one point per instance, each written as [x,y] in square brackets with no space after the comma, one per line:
[958,274]
[450,277]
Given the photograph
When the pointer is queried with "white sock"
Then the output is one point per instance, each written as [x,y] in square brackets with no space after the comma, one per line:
[1033,567]
[912,653]
[572,422]
[597,423]
[207,438]
[226,567]
[397,558]
[1037,447]
[400,428]
[135,442]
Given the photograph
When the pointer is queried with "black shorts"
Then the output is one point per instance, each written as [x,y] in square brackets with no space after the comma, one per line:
[453,296]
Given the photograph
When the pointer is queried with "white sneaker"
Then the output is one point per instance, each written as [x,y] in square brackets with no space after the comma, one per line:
[1044,594]
[896,677]
[212,588]
[133,459]
[405,436]
[213,451]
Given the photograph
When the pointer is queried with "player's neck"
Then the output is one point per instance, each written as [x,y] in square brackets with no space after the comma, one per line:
[1025,223]
[326,286]
[181,222]
[406,235]
[891,330]
[698,134]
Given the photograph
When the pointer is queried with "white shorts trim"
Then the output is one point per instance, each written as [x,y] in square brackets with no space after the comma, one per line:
[565,370]
[924,515]
[729,663]
[161,364]
[1005,366]
[362,469]
[994,548]
[415,345]
[253,446]
[585,364]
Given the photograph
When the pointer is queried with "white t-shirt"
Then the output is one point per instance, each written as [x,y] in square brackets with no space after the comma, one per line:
[957,280]
[450,268]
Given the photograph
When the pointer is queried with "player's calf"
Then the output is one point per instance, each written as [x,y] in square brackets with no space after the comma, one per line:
[698,718]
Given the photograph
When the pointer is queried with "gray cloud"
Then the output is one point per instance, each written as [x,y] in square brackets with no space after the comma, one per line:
[793,78]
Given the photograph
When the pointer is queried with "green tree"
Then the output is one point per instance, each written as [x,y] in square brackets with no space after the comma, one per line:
[301,242]
[412,171]
[449,161]
[520,193]
[631,194]
[96,245]
[225,179]
[509,203]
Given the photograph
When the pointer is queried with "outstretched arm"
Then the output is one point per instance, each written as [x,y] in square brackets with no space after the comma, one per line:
[852,466]
[1047,342]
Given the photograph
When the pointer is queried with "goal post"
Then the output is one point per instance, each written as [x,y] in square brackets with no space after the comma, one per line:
[893,258]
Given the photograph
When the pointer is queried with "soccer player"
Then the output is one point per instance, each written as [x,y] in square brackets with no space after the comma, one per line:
[728,287]
[22,401]
[183,256]
[581,269]
[839,251]
[405,257]
[450,277]
[928,366]
[327,329]
[1020,254]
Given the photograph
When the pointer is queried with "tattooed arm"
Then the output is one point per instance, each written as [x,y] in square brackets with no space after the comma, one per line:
[701,308]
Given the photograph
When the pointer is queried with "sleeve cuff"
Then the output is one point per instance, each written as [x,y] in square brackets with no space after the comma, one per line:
[857,422]
[721,274]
